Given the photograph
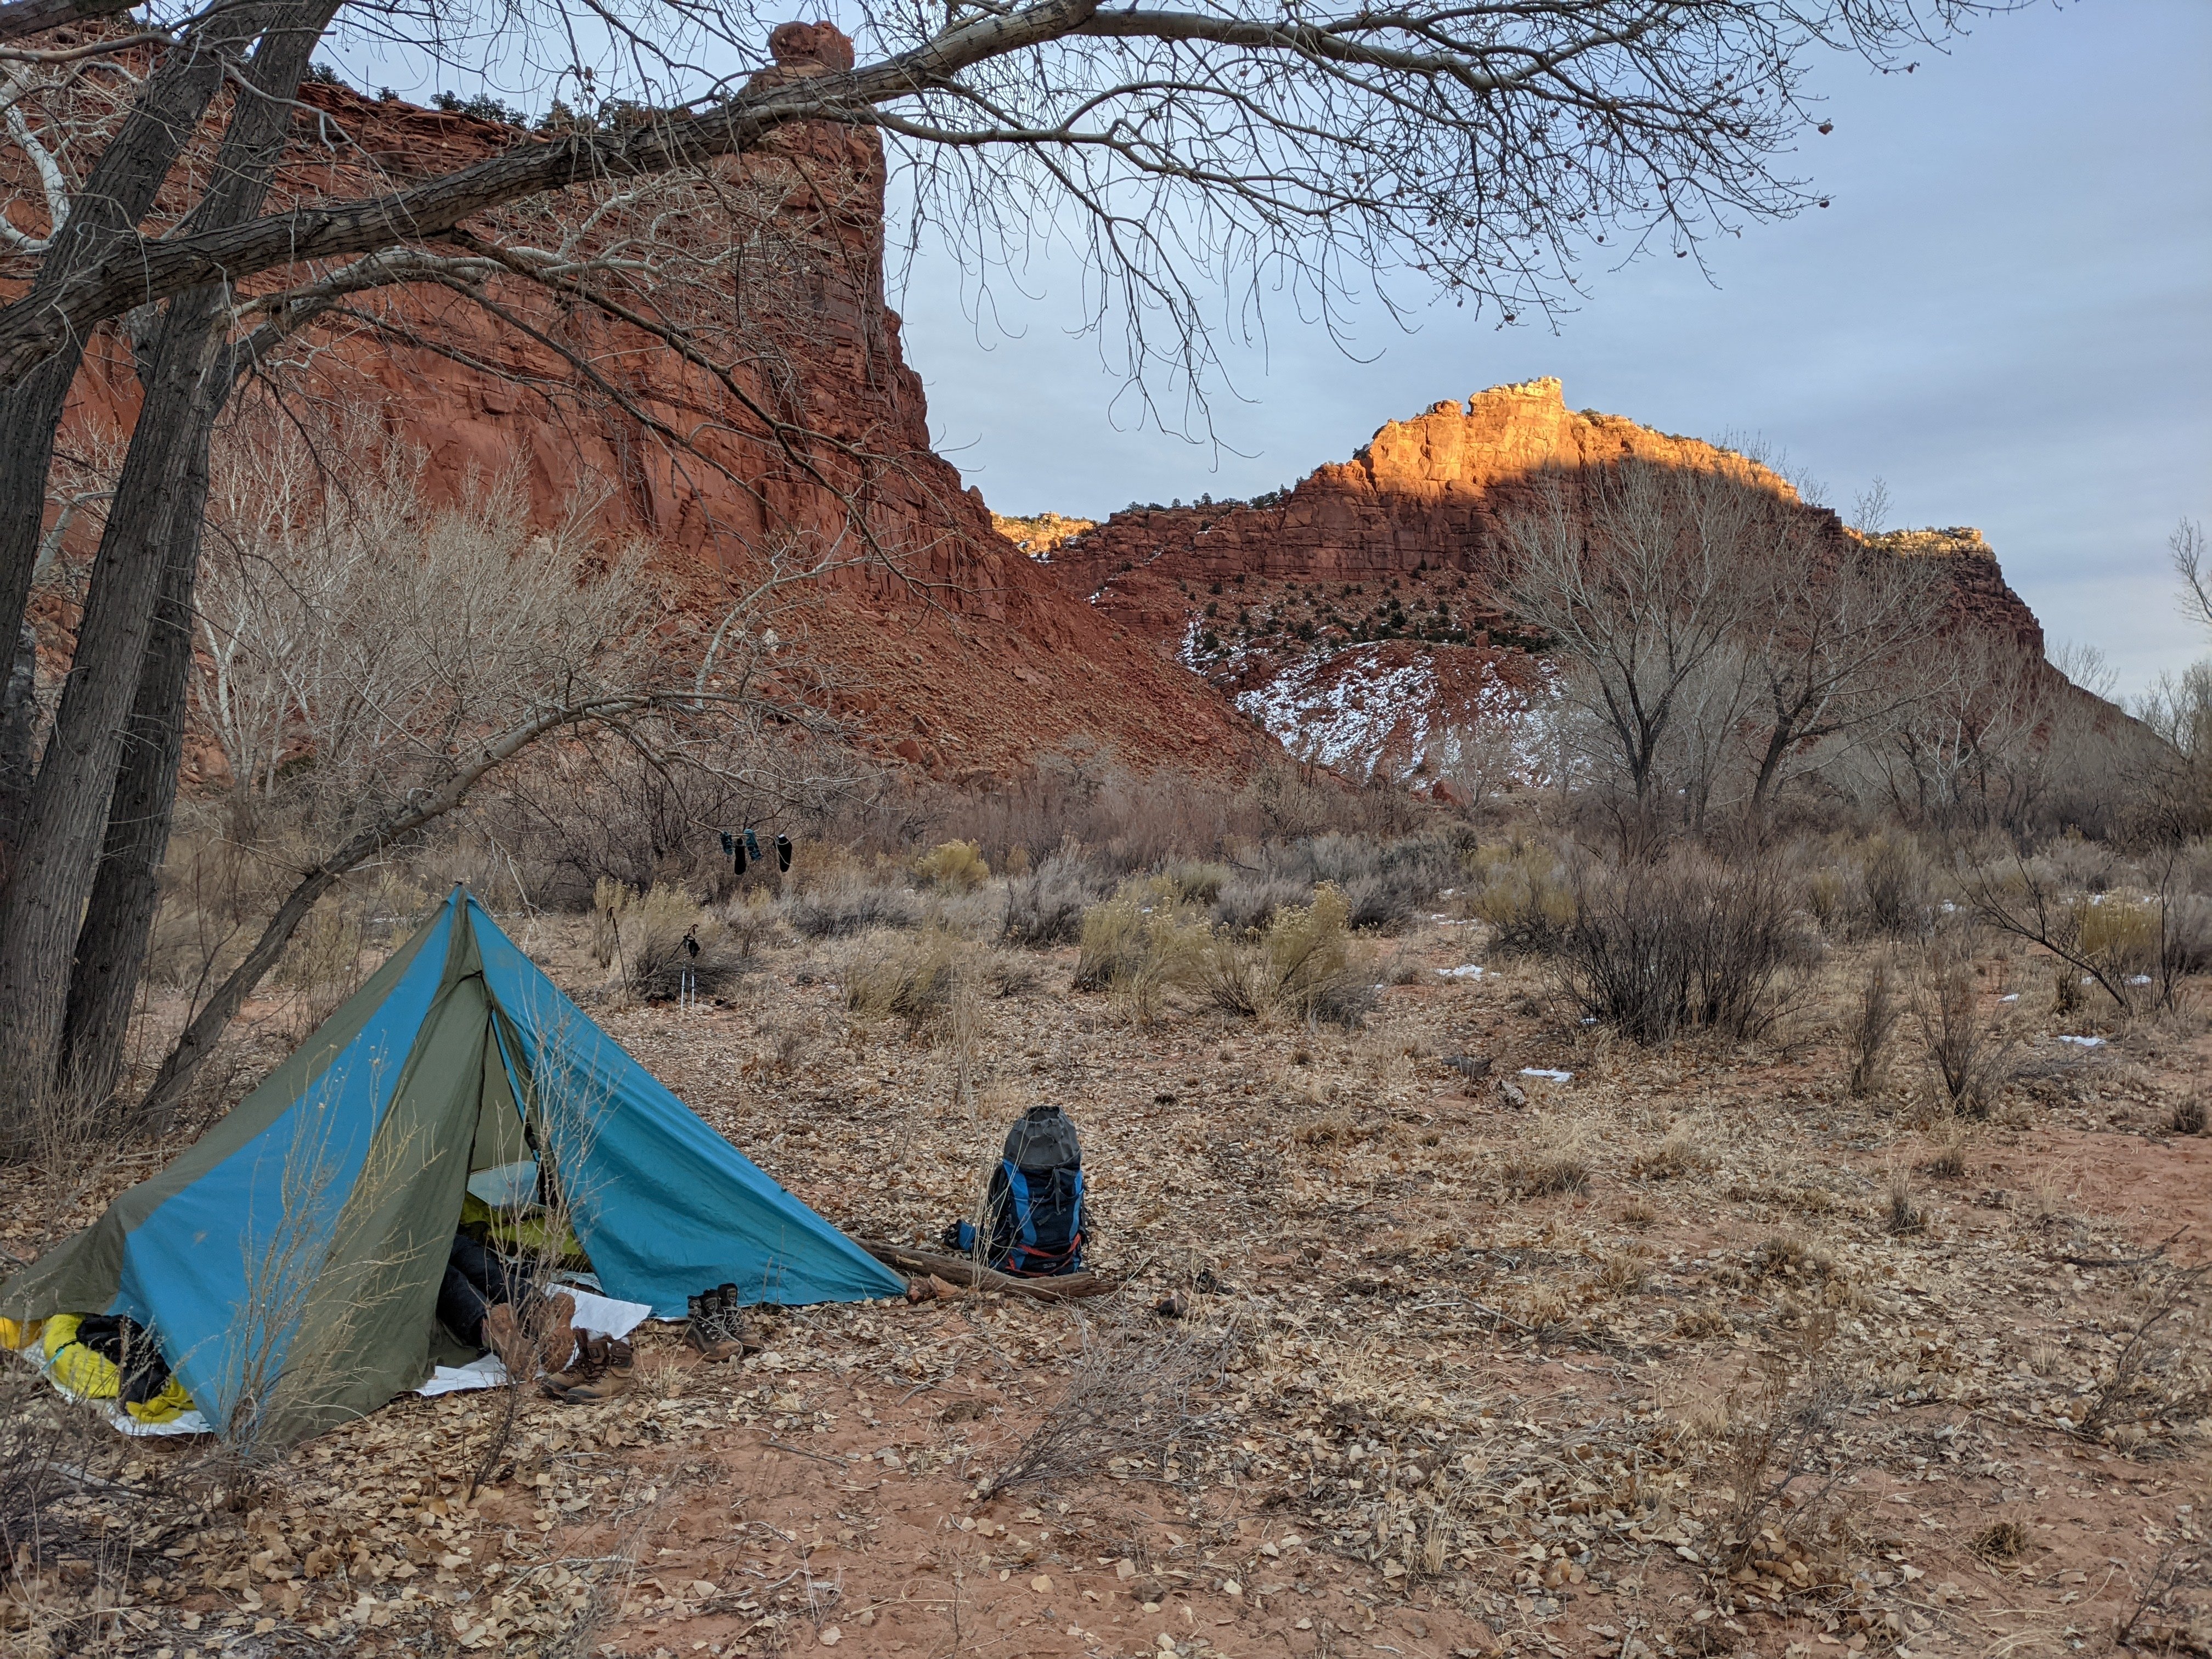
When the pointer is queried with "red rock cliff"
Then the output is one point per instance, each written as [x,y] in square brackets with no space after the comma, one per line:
[947,647]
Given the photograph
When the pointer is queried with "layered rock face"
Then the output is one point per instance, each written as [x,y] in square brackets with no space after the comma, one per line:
[1353,614]
[803,432]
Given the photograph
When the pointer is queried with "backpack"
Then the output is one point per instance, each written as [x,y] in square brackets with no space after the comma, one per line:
[1036,1198]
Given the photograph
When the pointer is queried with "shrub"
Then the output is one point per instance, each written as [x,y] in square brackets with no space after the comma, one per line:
[1248,903]
[1891,889]
[2189,934]
[2120,935]
[1684,943]
[1194,883]
[655,933]
[1872,1025]
[1046,908]
[957,867]
[1525,896]
[1300,967]
[1383,882]
[1137,949]
[844,909]
[916,981]
[1970,1058]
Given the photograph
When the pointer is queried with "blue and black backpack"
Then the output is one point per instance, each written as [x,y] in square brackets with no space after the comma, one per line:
[1035,1199]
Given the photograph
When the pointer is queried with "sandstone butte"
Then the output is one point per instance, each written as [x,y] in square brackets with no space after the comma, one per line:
[944,646]
[1414,516]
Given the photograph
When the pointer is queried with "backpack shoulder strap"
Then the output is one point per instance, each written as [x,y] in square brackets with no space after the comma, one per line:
[1018,1186]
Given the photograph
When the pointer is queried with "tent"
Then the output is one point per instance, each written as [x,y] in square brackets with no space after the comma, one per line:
[289,1260]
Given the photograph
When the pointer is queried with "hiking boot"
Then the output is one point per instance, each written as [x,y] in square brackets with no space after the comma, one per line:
[589,1367]
[556,1342]
[616,1373]
[711,1342]
[502,1333]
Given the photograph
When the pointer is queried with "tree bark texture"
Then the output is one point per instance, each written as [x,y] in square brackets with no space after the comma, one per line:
[160,495]
[22,18]
[118,193]
[118,922]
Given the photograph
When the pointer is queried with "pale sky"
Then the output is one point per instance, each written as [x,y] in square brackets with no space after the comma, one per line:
[2006,314]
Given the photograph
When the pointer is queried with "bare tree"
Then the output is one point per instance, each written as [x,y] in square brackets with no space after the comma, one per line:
[1636,572]
[413,654]
[1829,637]
[2193,564]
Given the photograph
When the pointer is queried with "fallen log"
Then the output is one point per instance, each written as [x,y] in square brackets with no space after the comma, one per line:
[966,1274]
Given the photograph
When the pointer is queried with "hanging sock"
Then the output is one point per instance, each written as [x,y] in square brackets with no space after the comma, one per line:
[752,846]
[783,854]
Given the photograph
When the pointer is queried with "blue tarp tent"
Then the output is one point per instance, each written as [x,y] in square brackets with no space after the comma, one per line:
[289,1261]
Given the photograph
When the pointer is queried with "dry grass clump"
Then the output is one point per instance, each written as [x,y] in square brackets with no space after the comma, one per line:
[841,908]
[2001,1540]
[1785,1256]
[1682,1152]
[2188,1116]
[1902,1215]
[954,866]
[659,939]
[1045,908]
[1947,1152]
[1553,1161]
[1873,1021]
[915,981]
[1191,881]
[1969,1056]
[1299,968]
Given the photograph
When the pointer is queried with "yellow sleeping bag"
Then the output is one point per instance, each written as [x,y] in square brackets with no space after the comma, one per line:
[85,1375]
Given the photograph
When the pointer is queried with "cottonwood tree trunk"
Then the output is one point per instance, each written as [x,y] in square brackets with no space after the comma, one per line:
[118,193]
[111,946]
[160,497]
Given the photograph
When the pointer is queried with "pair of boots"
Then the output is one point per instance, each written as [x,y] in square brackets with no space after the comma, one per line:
[602,1368]
[717,1327]
[537,1338]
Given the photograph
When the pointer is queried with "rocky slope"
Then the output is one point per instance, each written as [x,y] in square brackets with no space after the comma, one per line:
[1351,614]
[944,646]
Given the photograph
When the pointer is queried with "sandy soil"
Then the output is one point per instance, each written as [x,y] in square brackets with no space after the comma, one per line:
[1636,1364]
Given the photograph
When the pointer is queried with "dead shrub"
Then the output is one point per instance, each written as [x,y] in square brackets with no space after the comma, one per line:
[1873,1021]
[841,908]
[2188,1116]
[954,866]
[1969,1056]
[1131,1401]
[1045,908]
[916,981]
[1684,944]
[1785,1256]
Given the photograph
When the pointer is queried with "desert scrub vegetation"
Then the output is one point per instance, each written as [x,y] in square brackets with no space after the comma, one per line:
[1045,906]
[1298,967]
[848,905]
[956,866]
[655,940]
[1684,943]
[915,980]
